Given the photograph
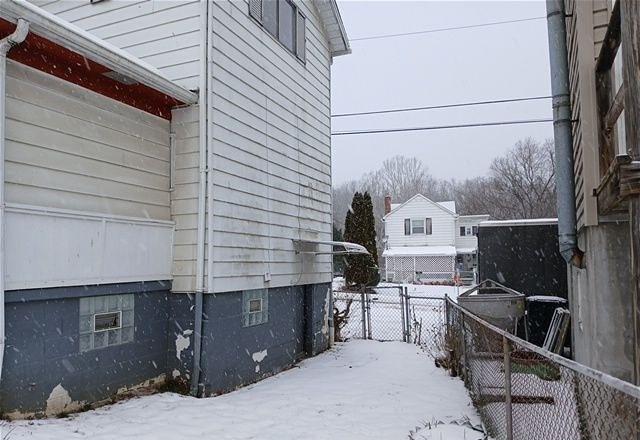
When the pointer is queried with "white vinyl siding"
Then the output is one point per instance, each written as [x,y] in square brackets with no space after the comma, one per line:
[165,34]
[70,148]
[442,225]
[272,156]
[184,197]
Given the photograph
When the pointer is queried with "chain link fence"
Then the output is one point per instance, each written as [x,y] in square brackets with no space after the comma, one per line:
[389,313]
[524,392]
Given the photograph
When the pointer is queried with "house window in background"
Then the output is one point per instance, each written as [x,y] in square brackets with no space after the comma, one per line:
[417,226]
[428,226]
[283,20]
[407,226]
[474,230]
[463,231]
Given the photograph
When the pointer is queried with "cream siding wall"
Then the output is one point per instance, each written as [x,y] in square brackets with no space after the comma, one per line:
[586,25]
[443,225]
[87,186]
[70,148]
[165,34]
[272,156]
[184,197]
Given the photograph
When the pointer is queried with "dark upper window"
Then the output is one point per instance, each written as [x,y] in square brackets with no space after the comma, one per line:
[283,20]
[463,231]
[474,230]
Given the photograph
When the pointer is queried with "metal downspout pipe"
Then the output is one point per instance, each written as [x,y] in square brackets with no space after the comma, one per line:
[202,206]
[562,134]
[17,37]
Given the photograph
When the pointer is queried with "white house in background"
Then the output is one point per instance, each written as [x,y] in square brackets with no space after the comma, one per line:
[427,240]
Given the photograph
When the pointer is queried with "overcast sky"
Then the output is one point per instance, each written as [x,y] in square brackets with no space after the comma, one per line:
[496,62]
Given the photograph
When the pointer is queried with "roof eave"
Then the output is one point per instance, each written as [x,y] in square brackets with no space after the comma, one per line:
[334,30]
[67,35]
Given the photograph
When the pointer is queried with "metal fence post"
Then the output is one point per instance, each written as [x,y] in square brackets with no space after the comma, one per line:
[404,324]
[506,348]
[407,313]
[369,333]
[364,314]
[463,348]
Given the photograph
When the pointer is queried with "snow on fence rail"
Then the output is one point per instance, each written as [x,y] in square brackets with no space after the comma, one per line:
[525,392]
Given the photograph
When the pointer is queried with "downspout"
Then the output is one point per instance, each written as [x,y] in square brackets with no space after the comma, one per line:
[6,44]
[201,227]
[565,178]
[210,152]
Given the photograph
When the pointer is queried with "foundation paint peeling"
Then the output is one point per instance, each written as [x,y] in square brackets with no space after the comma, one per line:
[258,357]
[182,342]
[325,321]
[60,401]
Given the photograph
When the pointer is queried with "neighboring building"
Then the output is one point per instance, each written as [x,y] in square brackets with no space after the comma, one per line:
[602,294]
[147,225]
[523,255]
[427,240]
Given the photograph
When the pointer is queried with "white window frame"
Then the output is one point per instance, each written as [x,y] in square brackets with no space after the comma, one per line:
[424,226]
[119,313]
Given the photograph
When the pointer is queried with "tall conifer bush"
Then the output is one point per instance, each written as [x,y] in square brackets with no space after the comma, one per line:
[359,227]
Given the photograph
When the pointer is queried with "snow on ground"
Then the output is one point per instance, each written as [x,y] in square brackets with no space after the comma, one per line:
[357,390]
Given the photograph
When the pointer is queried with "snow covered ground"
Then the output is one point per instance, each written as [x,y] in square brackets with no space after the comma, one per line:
[358,390]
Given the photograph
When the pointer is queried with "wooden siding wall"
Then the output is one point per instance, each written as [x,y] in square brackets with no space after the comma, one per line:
[586,26]
[165,34]
[70,148]
[272,152]
[443,225]
[184,197]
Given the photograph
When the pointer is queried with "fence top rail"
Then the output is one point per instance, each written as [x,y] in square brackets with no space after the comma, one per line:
[619,384]
[439,298]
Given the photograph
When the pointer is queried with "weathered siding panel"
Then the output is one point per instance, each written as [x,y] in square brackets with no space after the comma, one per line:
[443,225]
[184,197]
[272,156]
[69,148]
[584,36]
[166,34]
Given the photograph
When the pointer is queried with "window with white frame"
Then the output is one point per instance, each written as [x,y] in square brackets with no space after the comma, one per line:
[284,20]
[106,320]
[418,226]
[255,307]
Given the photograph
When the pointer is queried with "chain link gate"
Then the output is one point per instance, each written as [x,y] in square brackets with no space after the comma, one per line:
[389,313]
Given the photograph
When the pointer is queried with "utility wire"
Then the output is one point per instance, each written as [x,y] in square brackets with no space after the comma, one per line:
[432,107]
[455,28]
[440,127]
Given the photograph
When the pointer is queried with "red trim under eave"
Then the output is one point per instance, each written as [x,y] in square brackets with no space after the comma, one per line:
[49,57]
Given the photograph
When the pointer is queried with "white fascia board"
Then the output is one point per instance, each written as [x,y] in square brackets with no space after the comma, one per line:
[67,35]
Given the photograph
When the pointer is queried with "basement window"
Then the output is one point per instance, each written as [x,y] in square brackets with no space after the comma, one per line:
[106,321]
[255,307]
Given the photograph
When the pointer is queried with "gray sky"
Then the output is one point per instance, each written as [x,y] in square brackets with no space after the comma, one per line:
[505,61]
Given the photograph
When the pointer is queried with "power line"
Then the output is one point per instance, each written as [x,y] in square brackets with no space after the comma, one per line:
[455,28]
[440,127]
[432,107]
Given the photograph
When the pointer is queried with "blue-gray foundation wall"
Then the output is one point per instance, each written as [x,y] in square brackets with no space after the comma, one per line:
[42,346]
[233,355]
[42,351]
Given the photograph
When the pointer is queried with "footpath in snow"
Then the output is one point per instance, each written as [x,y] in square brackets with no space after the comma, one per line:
[357,390]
